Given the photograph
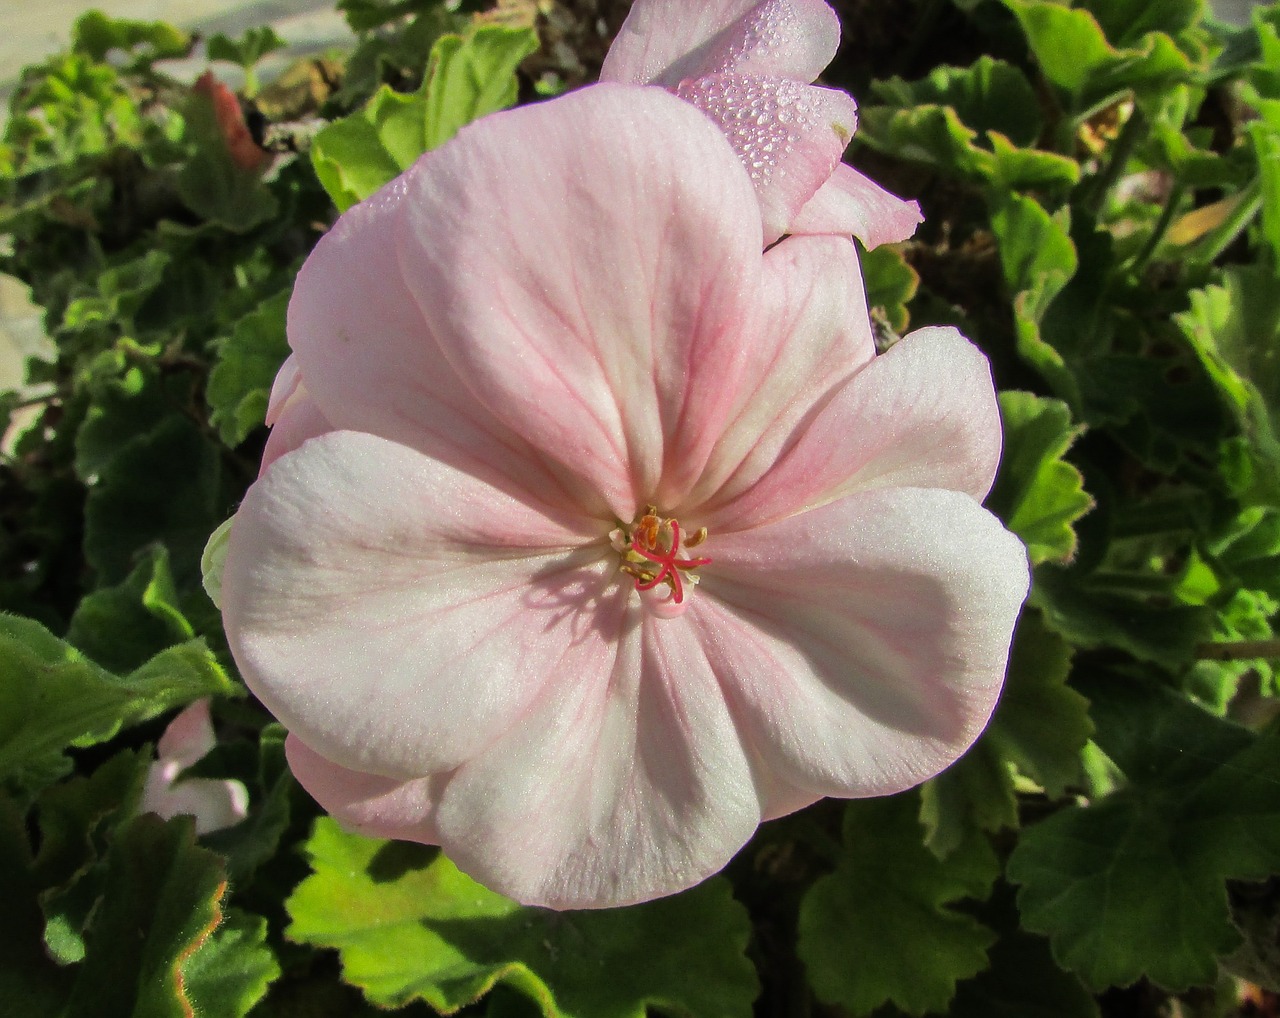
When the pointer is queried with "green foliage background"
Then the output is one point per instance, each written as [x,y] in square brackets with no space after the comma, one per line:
[1101,183]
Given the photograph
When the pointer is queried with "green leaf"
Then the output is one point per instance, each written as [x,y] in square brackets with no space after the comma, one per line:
[163,486]
[988,96]
[466,79]
[1234,328]
[1023,980]
[231,970]
[1125,22]
[240,382]
[883,929]
[123,626]
[76,818]
[1090,615]
[1038,258]
[409,926]
[161,903]
[256,840]
[252,46]
[30,983]
[1041,724]
[935,136]
[1133,885]
[890,283]
[116,295]
[52,697]
[365,15]
[975,793]
[1074,54]
[1037,493]
[213,559]
[96,35]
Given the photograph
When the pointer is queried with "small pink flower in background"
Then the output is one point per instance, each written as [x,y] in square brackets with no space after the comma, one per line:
[747,64]
[215,804]
[596,535]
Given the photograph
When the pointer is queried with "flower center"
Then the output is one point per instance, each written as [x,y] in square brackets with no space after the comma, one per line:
[650,551]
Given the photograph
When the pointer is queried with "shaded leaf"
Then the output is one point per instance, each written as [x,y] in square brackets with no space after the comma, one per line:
[1039,730]
[240,382]
[30,983]
[161,903]
[883,929]
[1134,885]
[123,626]
[1090,615]
[75,821]
[1234,328]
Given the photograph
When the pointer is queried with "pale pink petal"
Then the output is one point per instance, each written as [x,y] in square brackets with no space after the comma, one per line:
[369,804]
[605,314]
[397,613]
[863,645]
[298,419]
[188,737]
[789,136]
[922,414]
[286,383]
[215,804]
[371,362]
[851,203]
[663,42]
[817,334]
[621,785]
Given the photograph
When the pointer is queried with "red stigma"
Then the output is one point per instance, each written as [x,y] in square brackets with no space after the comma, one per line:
[667,561]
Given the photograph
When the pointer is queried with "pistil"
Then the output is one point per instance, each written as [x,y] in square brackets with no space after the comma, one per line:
[650,549]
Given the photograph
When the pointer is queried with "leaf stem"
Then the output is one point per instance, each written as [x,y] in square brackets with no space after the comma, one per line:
[1170,209]
[1239,650]
[1130,134]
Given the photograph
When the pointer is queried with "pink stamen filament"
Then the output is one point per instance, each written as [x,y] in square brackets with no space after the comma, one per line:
[670,566]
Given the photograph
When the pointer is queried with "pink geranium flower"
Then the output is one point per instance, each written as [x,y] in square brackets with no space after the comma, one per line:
[747,64]
[213,803]
[598,535]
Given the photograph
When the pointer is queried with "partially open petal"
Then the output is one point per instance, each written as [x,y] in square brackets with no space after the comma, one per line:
[603,315]
[817,333]
[215,804]
[621,786]
[848,202]
[297,419]
[663,42]
[863,645]
[789,136]
[922,414]
[286,383]
[372,805]
[399,614]
[188,737]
